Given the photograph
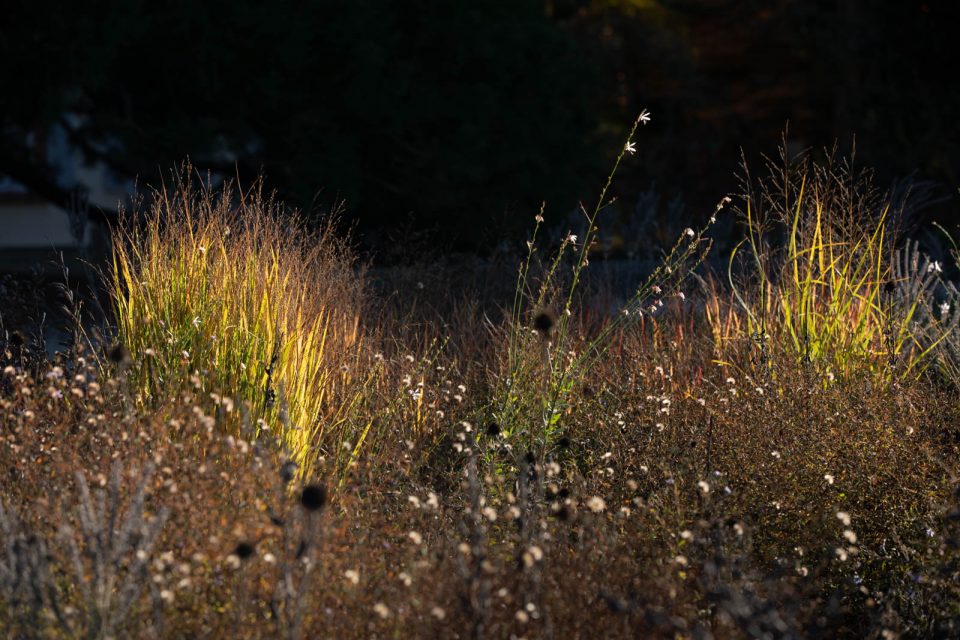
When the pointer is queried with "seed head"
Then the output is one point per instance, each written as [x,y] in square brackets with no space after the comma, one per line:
[119,355]
[313,498]
[288,471]
[244,550]
[544,321]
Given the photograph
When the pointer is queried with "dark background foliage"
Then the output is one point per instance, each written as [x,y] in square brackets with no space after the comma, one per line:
[459,118]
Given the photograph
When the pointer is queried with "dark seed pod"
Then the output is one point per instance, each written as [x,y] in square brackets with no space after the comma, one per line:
[119,354]
[288,471]
[544,321]
[313,498]
[244,550]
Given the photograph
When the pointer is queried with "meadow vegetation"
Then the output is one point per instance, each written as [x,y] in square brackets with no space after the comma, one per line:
[268,441]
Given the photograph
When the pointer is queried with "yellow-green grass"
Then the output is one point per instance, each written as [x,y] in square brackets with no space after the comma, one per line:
[823,295]
[228,291]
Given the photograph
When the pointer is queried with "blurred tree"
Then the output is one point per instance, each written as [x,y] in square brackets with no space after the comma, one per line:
[463,115]
[454,112]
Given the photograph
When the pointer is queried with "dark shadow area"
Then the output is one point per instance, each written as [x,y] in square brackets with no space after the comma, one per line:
[454,121]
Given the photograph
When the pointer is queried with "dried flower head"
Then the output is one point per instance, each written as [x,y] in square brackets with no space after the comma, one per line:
[119,355]
[543,322]
[244,550]
[288,471]
[314,497]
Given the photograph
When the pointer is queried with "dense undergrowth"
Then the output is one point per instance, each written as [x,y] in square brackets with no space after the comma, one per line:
[272,446]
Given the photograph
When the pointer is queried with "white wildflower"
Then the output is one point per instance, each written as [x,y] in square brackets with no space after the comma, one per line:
[596,504]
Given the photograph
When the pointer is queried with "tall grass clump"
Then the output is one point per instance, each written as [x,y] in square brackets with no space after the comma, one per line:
[229,295]
[818,252]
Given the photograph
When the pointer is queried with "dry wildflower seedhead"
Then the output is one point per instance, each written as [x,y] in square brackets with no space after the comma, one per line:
[288,471]
[313,498]
[119,355]
[544,321]
[16,339]
[244,550]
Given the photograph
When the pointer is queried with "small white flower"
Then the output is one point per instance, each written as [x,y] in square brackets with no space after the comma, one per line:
[596,504]
[572,238]
[689,232]
[352,575]
[934,267]
[644,116]
[843,517]
[828,477]
[630,148]
[944,308]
